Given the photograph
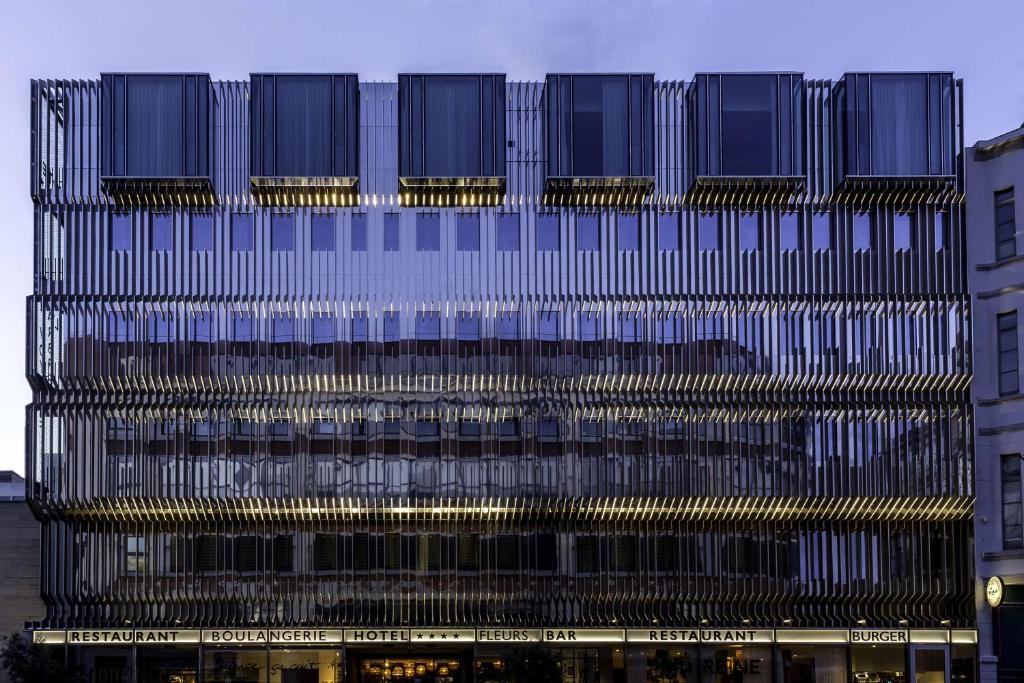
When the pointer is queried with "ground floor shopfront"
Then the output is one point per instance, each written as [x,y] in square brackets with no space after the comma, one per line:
[655,655]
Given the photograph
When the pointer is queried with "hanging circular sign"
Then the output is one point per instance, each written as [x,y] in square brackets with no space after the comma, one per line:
[994,591]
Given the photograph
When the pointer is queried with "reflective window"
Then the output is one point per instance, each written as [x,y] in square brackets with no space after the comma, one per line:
[789,232]
[428,325]
[861,232]
[899,124]
[507,325]
[547,326]
[121,231]
[282,328]
[467,326]
[428,232]
[587,232]
[878,662]
[749,125]
[941,230]
[282,232]
[629,231]
[1013,525]
[202,232]
[821,231]
[1006,224]
[630,327]
[507,232]
[202,327]
[242,232]
[668,231]
[359,231]
[600,126]
[391,232]
[360,327]
[707,231]
[323,328]
[813,663]
[303,131]
[120,326]
[589,325]
[160,327]
[162,232]
[467,232]
[392,326]
[1009,356]
[902,232]
[322,234]
[749,232]
[548,232]
[241,327]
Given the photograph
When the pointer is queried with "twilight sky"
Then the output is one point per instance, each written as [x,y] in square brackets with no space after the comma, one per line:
[980,41]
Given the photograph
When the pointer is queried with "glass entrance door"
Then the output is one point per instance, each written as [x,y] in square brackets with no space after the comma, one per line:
[929,664]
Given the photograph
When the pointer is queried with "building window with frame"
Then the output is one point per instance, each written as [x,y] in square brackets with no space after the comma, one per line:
[1013,534]
[789,232]
[588,232]
[668,231]
[161,232]
[1006,224]
[549,236]
[902,232]
[282,232]
[135,555]
[1009,356]
[750,227]
[507,232]
[242,232]
[821,231]
[322,233]
[392,234]
[202,232]
[121,231]
[467,232]
[629,231]
[428,232]
[707,232]
[359,232]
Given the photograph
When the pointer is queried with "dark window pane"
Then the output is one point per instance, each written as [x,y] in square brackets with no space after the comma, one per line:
[242,231]
[392,326]
[282,232]
[548,232]
[1008,353]
[587,232]
[630,327]
[359,232]
[902,232]
[941,229]
[162,232]
[749,125]
[668,231]
[282,328]
[861,232]
[821,231]
[789,228]
[467,326]
[899,124]
[507,325]
[1006,226]
[428,325]
[283,554]
[392,236]
[589,326]
[452,131]
[629,231]
[322,232]
[467,228]
[323,329]
[304,142]
[241,327]
[159,328]
[600,126]
[507,232]
[749,232]
[121,231]
[202,327]
[428,232]
[707,231]
[360,327]
[547,326]
[202,232]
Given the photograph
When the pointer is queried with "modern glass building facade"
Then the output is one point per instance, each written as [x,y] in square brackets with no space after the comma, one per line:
[380,381]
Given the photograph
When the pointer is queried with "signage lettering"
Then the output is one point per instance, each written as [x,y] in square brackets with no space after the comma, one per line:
[877,636]
[377,635]
[507,635]
[235,636]
[93,637]
[305,635]
[582,635]
[662,636]
[162,636]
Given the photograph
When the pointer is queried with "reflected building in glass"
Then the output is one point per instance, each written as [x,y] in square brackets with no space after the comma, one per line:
[386,382]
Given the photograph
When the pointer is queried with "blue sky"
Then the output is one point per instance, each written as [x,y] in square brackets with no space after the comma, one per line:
[980,41]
